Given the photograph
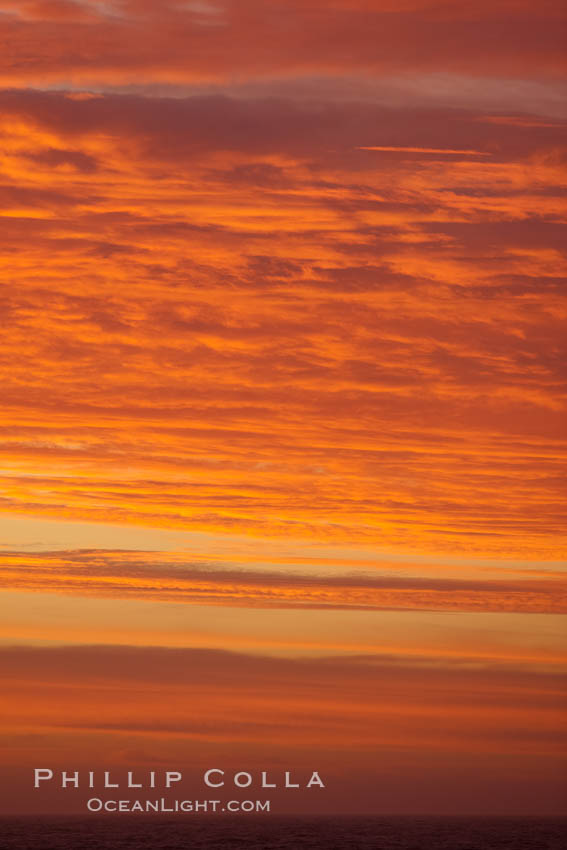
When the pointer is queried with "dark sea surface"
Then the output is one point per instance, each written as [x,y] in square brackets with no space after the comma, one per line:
[289,833]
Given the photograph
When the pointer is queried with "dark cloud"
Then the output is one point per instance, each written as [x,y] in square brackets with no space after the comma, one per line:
[176,42]
[54,157]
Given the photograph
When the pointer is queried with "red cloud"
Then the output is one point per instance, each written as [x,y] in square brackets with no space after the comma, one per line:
[154,40]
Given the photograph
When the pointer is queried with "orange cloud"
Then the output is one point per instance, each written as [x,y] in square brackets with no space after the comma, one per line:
[406,149]
[129,574]
[230,320]
[297,311]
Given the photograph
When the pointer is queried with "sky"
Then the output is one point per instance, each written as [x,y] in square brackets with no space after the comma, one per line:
[282,446]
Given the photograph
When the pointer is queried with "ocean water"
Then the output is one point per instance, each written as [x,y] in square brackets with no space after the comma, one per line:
[282,833]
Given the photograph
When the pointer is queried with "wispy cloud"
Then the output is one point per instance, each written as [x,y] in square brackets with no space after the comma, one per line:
[230,320]
[154,576]
[401,149]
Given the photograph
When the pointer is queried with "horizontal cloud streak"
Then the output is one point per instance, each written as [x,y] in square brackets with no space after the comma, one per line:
[123,709]
[124,669]
[170,41]
[125,574]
